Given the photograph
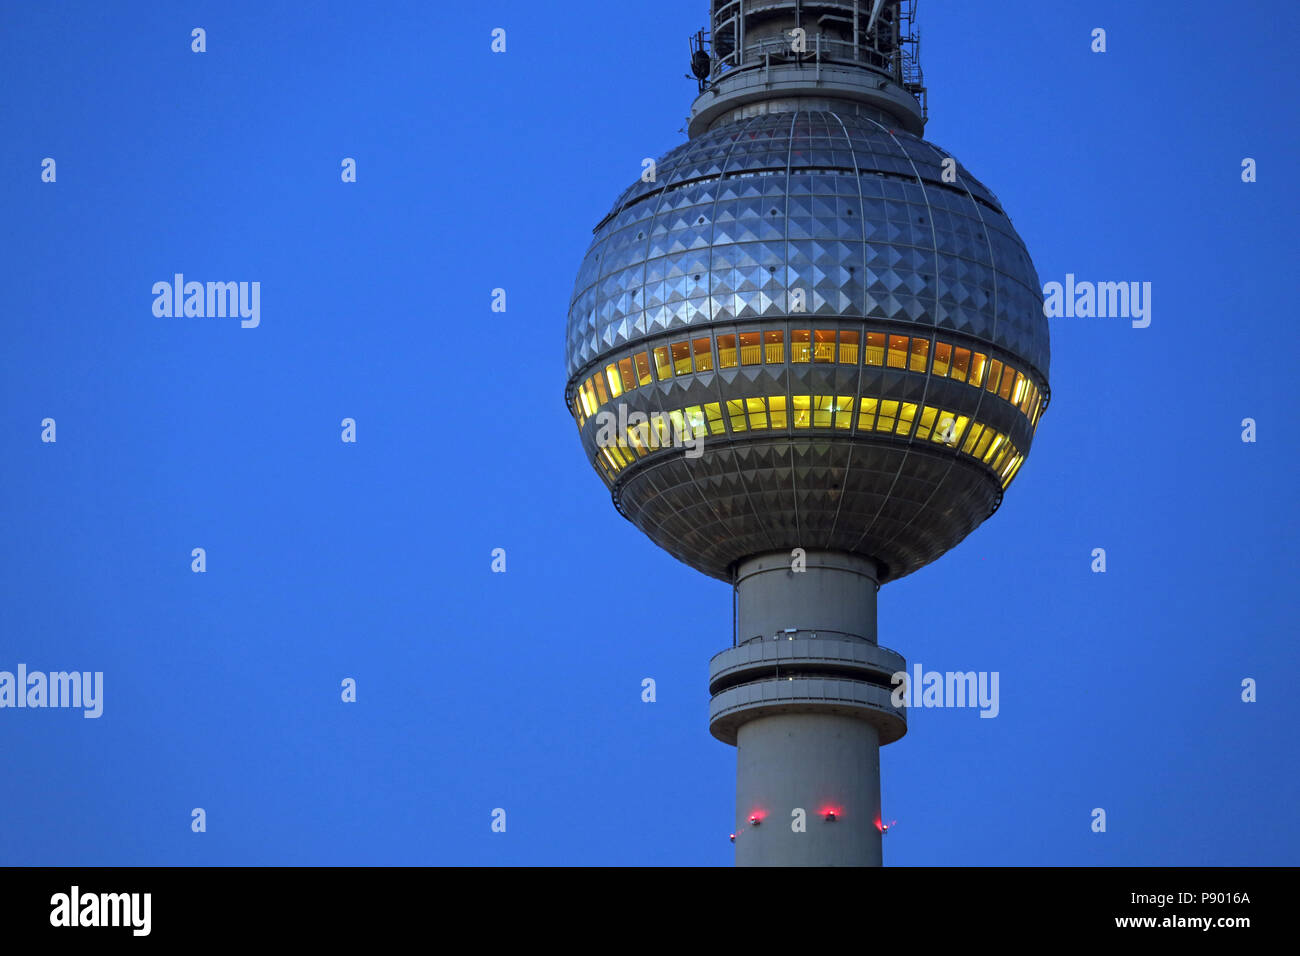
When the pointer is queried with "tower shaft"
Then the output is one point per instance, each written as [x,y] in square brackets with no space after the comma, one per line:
[805,695]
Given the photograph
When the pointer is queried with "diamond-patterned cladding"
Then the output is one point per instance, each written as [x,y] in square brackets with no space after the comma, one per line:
[859,217]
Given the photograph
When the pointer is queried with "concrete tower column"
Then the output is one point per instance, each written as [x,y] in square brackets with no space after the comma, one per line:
[805,696]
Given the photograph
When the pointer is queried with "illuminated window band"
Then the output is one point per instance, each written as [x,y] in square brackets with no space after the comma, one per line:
[745,415]
[881,349]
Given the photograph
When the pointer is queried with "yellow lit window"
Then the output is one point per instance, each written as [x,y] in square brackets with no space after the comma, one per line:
[1018,392]
[802,411]
[681,358]
[875,354]
[599,381]
[695,421]
[942,358]
[1010,461]
[614,465]
[867,414]
[822,411]
[979,363]
[727,357]
[713,411]
[945,428]
[824,345]
[736,412]
[906,416]
[757,412]
[629,376]
[679,423]
[642,360]
[995,375]
[615,383]
[960,364]
[973,436]
[587,398]
[897,351]
[703,354]
[662,434]
[751,352]
[849,347]
[888,416]
[800,345]
[985,441]
[926,423]
[843,411]
[1008,383]
[777,405]
[637,437]
[663,367]
[774,348]
[1001,457]
[1012,467]
[999,444]
[954,435]
[920,354]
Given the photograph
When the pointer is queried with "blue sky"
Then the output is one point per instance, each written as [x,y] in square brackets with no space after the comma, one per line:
[372,560]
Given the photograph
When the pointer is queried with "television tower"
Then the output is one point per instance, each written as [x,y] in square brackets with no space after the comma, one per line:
[806,352]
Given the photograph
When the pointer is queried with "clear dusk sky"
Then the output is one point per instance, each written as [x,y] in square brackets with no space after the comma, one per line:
[371,561]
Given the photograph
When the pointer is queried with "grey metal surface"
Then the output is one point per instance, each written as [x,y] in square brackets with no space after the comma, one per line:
[830,591]
[746,87]
[737,706]
[858,217]
[810,194]
[814,763]
[780,656]
[807,714]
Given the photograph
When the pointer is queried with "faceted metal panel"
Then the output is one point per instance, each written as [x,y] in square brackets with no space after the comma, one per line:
[903,508]
[858,218]
[855,213]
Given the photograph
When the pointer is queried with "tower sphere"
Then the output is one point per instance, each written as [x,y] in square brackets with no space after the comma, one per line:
[833,330]
[807,353]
